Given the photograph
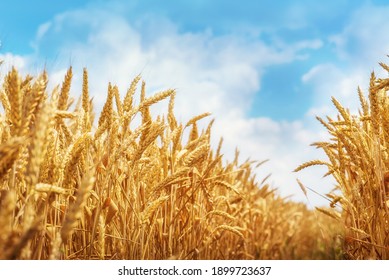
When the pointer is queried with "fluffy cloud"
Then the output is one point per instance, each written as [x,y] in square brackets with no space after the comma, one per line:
[359,46]
[8,60]
[364,40]
[330,80]
[200,65]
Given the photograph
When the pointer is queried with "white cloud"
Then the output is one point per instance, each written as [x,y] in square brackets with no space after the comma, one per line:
[361,44]
[217,74]
[9,60]
[364,40]
[329,80]
[42,29]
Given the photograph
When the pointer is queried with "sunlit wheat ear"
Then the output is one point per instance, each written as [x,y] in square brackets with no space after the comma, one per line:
[85,101]
[118,102]
[14,96]
[221,214]
[332,214]
[196,155]
[65,90]
[180,174]
[302,187]
[76,209]
[128,99]
[234,230]
[107,112]
[33,98]
[197,118]
[171,118]
[39,142]
[101,238]
[310,163]
[8,154]
[147,102]
[149,211]
[72,159]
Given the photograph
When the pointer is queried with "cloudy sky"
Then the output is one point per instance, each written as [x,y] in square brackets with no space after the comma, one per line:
[264,69]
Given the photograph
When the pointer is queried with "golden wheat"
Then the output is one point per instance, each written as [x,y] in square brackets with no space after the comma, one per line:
[359,162]
[73,188]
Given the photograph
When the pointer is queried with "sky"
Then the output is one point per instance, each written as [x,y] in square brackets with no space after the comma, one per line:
[264,69]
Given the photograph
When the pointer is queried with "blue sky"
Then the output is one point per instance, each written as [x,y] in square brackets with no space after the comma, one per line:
[263,68]
[276,23]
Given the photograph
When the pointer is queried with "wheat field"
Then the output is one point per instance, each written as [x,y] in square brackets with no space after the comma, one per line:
[358,159]
[76,185]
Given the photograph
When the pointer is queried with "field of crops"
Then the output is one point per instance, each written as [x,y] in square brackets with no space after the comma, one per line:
[358,159]
[125,184]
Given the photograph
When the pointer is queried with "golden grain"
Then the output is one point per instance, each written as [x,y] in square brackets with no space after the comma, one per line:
[75,211]
[358,161]
[148,194]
